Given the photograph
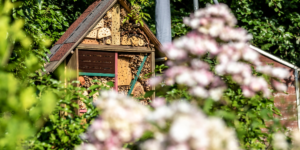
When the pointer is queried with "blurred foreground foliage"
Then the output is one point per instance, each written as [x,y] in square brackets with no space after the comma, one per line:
[21,111]
[30,101]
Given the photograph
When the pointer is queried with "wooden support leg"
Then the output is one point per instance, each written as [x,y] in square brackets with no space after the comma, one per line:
[116,71]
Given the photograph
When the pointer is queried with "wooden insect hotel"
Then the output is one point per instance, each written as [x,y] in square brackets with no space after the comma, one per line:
[98,45]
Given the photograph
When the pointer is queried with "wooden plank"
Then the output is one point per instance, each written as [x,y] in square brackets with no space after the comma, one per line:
[115,26]
[116,72]
[137,76]
[72,66]
[96,74]
[124,71]
[115,48]
[64,113]
[153,71]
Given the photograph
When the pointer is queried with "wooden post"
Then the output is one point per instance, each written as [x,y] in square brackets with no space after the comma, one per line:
[63,113]
[116,71]
[153,71]
[115,26]
[73,64]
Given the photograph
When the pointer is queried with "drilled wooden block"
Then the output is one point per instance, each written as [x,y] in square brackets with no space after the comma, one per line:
[96,61]
[135,41]
[92,34]
[89,41]
[124,71]
[138,90]
[125,40]
[103,32]
[116,25]
[100,24]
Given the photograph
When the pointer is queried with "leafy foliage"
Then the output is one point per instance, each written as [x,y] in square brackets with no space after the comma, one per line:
[21,112]
[64,125]
[136,11]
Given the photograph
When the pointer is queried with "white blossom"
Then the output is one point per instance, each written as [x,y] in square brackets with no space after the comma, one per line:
[279,141]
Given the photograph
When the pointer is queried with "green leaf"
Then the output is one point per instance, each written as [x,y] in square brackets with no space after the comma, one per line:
[148,94]
[279,5]
[93,87]
[65,139]
[110,83]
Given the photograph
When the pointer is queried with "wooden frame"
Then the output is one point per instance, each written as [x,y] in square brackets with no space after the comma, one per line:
[120,48]
[115,48]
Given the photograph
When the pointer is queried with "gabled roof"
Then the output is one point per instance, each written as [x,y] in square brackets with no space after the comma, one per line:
[81,27]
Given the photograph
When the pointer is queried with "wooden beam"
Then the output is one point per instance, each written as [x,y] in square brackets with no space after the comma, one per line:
[115,48]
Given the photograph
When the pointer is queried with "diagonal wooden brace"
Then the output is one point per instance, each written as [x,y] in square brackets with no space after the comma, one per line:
[137,76]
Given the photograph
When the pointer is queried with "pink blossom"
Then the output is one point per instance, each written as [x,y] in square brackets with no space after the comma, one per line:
[250,55]
[172,52]
[214,34]
[280,73]
[173,71]
[216,93]
[158,102]
[185,78]
[258,84]
[247,92]
[198,64]
[189,129]
[279,86]
[202,77]
[155,80]
[169,81]
[199,92]
[122,120]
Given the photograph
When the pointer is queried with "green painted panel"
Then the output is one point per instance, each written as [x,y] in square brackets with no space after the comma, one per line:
[96,74]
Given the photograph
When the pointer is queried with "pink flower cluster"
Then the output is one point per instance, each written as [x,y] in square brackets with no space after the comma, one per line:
[214,34]
[122,121]
[182,126]
[179,125]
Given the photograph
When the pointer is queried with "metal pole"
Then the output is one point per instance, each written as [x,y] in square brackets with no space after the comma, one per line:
[216,2]
[196,5]
[163,21]
[297,95]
